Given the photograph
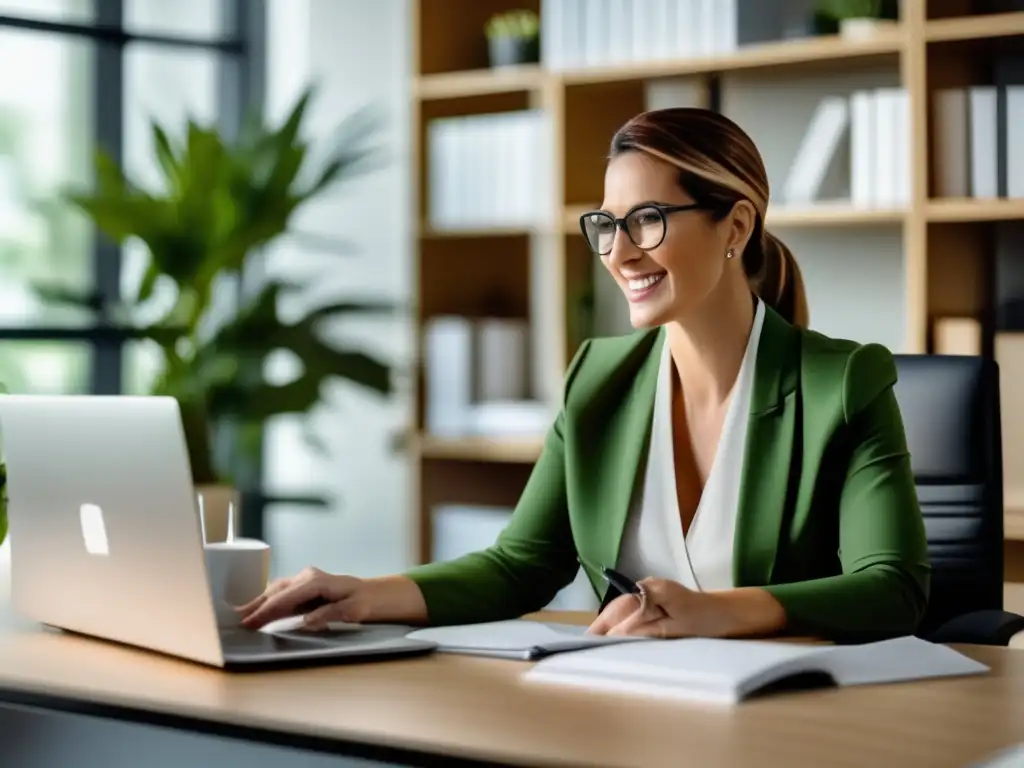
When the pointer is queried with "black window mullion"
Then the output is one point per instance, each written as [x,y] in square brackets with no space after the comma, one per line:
[108,133]
[104,33]
[241,83]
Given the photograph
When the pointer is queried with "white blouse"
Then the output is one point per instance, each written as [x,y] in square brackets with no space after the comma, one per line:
[653,544]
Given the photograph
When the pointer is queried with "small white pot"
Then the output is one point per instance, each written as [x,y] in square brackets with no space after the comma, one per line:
[863,29]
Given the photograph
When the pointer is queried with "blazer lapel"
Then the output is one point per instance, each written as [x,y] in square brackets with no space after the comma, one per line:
[768,456]
[621,449]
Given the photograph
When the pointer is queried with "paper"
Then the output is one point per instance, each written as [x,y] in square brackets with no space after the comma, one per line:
[897,660]
[517,638]
[728,671]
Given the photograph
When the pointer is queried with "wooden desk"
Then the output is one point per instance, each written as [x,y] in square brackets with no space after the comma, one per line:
[406,711]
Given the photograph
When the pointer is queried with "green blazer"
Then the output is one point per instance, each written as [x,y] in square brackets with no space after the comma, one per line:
[828,519]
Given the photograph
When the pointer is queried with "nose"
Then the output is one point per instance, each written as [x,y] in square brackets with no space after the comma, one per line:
[623,251]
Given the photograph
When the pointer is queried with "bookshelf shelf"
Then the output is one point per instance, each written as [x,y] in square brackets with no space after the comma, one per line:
[1013,524]
[937,252]
[433,233]
[975,27]
[815,53]
[971,210]
[792,54]
[455,85]
[833,216]
[508,450]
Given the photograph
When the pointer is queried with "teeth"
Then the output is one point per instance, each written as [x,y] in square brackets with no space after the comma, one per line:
[643,283]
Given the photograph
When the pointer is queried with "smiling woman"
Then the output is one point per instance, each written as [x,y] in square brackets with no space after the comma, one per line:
[690,162]
[750,474]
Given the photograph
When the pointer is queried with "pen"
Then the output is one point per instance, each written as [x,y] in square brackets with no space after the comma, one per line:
[621,582]
[624,584]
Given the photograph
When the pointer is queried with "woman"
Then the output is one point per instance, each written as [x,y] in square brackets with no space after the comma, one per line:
[753,474]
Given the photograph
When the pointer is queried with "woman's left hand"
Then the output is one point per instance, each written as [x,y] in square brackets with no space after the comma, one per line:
[667,609]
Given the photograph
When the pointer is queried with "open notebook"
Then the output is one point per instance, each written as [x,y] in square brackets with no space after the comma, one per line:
[728,671]
[515,639]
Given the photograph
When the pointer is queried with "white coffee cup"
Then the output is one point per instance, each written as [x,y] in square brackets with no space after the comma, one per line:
[238,571]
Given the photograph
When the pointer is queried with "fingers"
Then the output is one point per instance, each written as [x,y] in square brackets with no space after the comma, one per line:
[647,612]
[283,604]
[617,611]
[274,587]
[348,610]
[657,589]
[304,593]
[660,628]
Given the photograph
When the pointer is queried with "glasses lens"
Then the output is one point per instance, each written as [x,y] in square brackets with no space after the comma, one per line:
[646,227]
[599,230]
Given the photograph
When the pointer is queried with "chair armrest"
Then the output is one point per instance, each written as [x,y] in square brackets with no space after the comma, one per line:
[981,628]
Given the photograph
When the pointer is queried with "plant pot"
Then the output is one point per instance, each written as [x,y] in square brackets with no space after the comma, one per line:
[799,26]
[864,29]
[512,51]
[218,501]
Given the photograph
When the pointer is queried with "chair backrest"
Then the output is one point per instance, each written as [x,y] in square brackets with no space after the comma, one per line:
[950,407]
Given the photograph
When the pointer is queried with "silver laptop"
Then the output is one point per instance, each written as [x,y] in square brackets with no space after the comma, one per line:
[106,538]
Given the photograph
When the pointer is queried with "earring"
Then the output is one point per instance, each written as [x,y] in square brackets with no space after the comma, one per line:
[729,254]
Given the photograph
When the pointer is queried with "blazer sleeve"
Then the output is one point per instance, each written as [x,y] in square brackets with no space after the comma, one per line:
[533,558]
[883,589]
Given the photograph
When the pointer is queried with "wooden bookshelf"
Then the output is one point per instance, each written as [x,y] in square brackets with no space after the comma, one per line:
[945,243]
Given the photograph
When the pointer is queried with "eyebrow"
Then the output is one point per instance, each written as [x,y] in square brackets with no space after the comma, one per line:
[642,203]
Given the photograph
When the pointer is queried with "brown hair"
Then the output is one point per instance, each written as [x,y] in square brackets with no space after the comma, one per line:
[718,166]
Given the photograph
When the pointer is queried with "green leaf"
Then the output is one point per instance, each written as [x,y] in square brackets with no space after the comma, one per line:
[266,400]
[62,295]
[148,283]
[356,367]
[115,217]
[165,157]
[327,311]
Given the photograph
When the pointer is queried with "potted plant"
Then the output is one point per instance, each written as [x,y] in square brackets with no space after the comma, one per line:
[221,201]
[856,19]
[513,37]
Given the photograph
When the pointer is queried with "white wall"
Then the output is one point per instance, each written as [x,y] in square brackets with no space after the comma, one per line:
[845,269]
[358,54]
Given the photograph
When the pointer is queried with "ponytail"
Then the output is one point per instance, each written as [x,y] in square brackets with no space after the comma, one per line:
[774,276]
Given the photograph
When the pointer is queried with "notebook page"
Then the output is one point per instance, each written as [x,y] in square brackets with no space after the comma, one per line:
[898,660]
[514,635]
[693,668]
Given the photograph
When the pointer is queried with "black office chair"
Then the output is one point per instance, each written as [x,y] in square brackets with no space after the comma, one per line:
[950,407]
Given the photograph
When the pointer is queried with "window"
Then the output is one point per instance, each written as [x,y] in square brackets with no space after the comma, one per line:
[79,11]
[94,73]
[45,144]
[45,367]
[101,71]
[199,19]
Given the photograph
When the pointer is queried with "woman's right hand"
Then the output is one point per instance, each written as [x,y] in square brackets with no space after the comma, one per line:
[323,597]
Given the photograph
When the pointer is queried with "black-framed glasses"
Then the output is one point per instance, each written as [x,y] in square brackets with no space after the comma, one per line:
[644,225]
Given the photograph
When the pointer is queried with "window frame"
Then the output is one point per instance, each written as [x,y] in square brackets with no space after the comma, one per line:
[241,85]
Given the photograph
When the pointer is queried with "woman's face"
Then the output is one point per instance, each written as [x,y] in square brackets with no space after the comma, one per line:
[665,282]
